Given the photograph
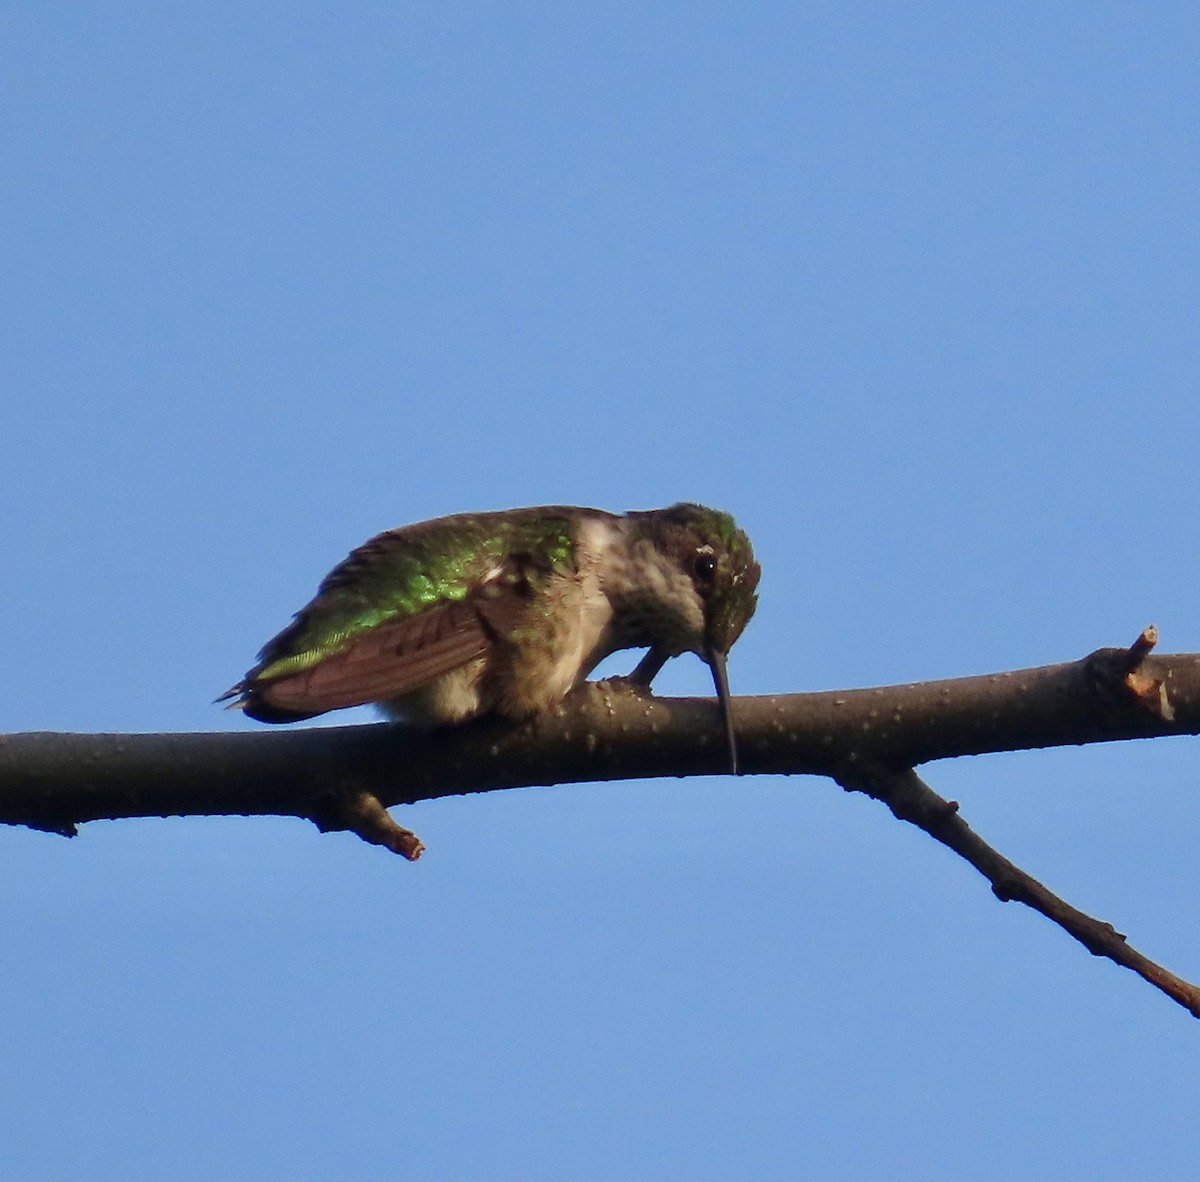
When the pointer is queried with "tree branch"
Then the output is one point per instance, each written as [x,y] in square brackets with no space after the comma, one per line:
[605,731]
[867,740]
[912,800]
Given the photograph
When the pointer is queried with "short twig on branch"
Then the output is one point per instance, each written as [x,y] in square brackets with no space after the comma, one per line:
[363,813]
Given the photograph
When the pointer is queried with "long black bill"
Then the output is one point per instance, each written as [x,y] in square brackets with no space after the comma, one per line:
[716,662]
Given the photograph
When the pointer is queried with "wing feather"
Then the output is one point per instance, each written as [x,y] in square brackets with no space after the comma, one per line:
[387,661]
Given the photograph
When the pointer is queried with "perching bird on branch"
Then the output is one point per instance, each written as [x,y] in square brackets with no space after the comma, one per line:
[506,612]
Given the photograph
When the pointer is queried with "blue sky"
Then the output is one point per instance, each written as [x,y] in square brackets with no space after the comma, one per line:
[910,289]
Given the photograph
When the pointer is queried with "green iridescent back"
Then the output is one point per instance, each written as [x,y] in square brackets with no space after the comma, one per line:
[407,571]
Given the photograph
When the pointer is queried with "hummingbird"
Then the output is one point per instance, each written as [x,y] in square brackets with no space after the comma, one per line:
[504,613]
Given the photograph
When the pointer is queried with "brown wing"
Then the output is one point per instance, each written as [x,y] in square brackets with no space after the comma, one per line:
[386,661]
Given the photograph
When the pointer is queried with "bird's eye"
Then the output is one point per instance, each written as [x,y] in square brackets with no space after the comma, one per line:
[704,567]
